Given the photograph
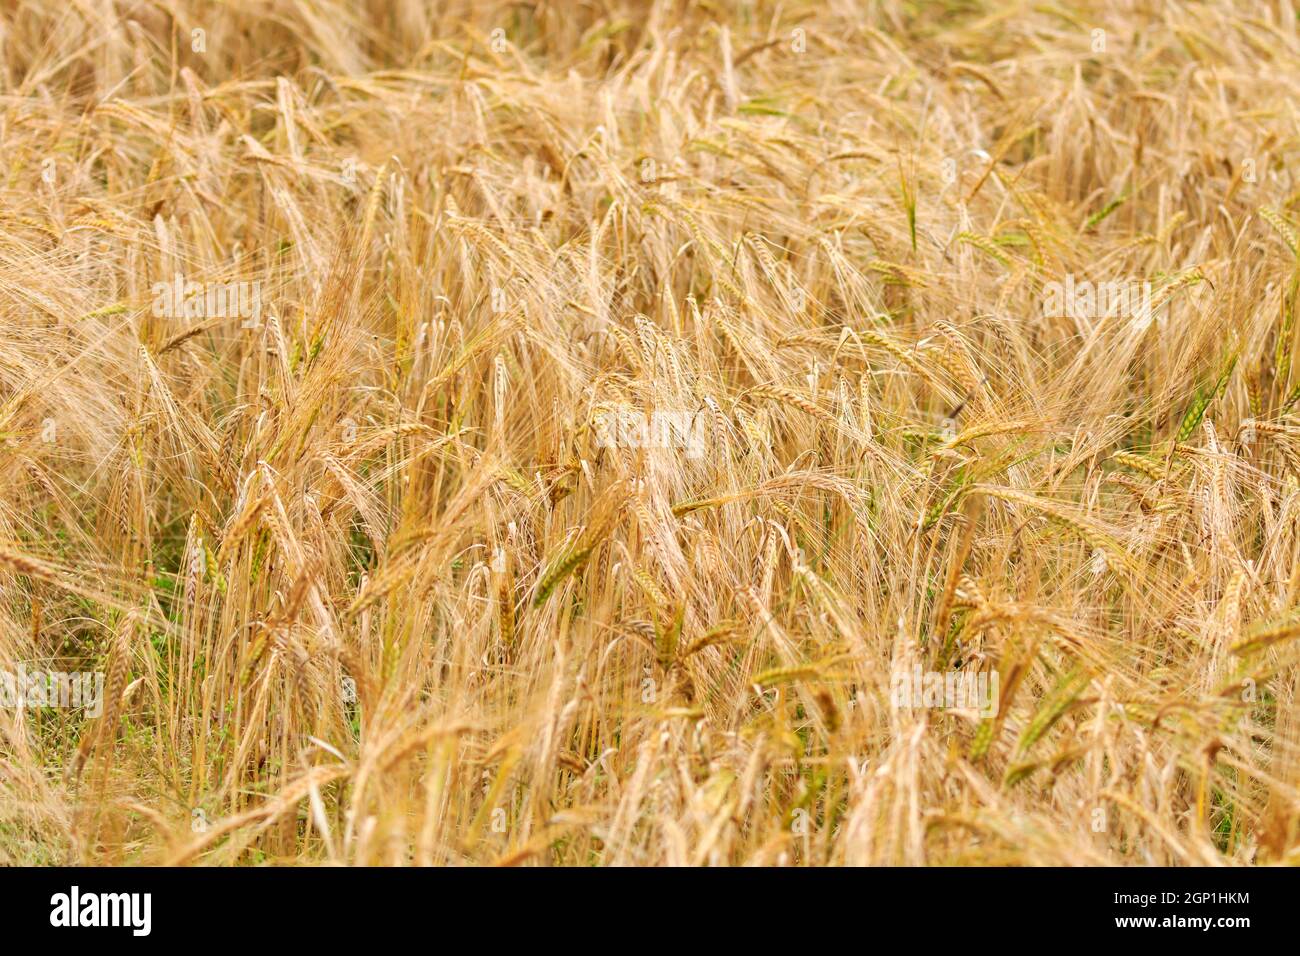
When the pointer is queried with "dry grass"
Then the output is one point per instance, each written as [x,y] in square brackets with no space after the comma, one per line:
[825,236]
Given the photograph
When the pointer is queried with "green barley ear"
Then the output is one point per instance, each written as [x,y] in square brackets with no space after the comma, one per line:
[563,567]
[983,738]
[985,245]
[671,636]
[1225,374]
[1096,218]
[1196,410]
[1283,228]
[1054,707]
[1018,773]
[1266,634]
[785,675]
[1282,355]
[908,193]
[581,550]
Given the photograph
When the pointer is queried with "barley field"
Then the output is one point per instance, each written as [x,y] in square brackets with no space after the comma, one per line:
[649,432]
